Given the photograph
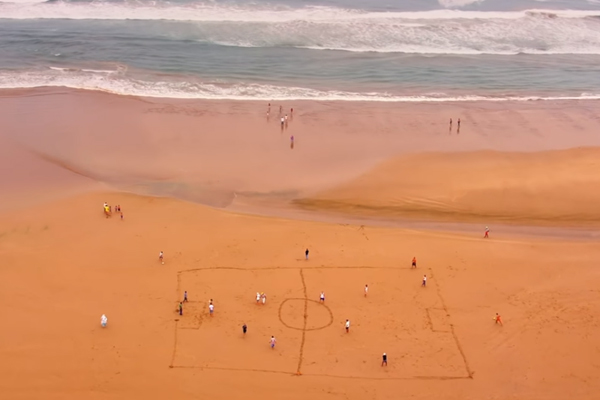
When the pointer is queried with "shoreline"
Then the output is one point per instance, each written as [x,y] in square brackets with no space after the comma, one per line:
[327,96]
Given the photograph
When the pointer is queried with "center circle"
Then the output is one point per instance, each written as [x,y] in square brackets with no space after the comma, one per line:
[304,314]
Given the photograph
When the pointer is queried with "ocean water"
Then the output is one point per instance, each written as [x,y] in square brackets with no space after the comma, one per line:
[356,50]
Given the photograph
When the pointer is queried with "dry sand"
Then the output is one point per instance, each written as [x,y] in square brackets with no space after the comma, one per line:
[65,264]
[550,188]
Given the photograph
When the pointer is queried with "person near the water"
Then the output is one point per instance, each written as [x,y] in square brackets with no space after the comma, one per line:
[487,233]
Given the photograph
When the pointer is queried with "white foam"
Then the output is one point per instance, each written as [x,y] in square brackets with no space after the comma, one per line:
[202,12]
[109,83]
[326,28]
[457,3]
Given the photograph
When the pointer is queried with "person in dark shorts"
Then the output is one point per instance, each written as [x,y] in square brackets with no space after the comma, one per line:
[185,299]
[244,329]
[384,360]
[424,283]
[306,254]
[414,262]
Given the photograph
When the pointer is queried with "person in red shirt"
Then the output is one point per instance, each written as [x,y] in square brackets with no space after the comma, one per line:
[498,319]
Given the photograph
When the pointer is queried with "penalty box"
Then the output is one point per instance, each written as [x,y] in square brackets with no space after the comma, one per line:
[398,317]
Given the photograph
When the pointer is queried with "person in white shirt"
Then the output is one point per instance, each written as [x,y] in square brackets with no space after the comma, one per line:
[366,290]
[211,308]
[322,297]
[103,321]
[272,342]
[347,325]
[263,298]
[424,284]
[257,297]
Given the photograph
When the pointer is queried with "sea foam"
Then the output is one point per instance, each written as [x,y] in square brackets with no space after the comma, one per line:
[111,81]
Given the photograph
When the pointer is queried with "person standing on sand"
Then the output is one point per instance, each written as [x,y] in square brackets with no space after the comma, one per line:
[103,321]
[282,123]
[180,308]
[322,297]
[161,256]
[185,299]
[263,297]
[211,307]
[424,283]
[450,129]
[121,216]
[244,329]
[257,297]
[498,319]
[486,235]
[366,290]
[306,254]
[384,360]
[286,121]
[292,142]
[272,342]
[458,126]
[414,262]
[347,325]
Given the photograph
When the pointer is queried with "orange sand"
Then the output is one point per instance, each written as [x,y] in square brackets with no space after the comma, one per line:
[65,264]
[546,187]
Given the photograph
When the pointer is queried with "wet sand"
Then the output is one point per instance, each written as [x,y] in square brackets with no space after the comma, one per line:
[65,264]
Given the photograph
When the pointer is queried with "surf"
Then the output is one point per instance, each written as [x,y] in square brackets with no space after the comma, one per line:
[112,81]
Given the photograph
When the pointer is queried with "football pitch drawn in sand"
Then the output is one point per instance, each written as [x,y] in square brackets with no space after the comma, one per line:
[410,323]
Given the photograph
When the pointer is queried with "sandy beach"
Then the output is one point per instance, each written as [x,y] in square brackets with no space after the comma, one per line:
[218,187]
